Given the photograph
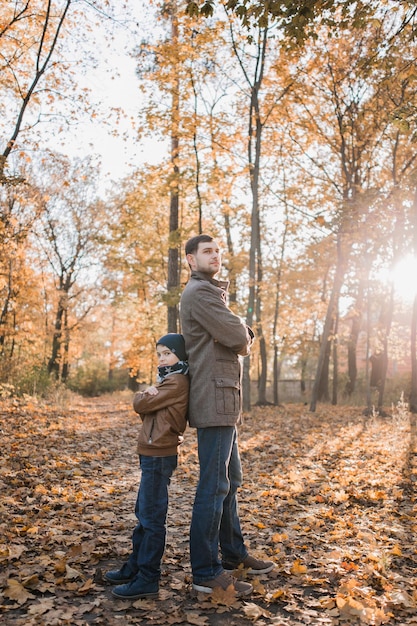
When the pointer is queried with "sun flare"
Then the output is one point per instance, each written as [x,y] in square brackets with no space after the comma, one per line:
[404,278]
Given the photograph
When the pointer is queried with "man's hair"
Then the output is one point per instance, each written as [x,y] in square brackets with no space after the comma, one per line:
[192,244]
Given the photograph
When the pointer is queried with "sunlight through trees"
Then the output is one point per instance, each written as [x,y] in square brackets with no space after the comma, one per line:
[287,132]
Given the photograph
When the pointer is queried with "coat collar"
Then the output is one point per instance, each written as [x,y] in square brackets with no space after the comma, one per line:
[223,284]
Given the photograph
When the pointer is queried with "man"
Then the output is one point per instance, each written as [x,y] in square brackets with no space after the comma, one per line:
[214,339]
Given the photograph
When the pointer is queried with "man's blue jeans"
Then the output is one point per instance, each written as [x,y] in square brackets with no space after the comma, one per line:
[151,510]
[215,519]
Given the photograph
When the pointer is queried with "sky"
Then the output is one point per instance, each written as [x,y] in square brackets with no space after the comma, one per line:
[113,83]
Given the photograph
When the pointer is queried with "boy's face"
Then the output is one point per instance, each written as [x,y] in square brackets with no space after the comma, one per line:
[165,356]
[207,259]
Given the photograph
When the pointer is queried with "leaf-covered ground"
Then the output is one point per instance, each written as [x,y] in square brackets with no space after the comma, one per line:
[329,496]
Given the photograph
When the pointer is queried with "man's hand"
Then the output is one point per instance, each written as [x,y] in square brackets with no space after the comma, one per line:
[152,391]
[251,336]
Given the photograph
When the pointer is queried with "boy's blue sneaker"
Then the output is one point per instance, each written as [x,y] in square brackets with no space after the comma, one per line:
[120,576]
[136,588]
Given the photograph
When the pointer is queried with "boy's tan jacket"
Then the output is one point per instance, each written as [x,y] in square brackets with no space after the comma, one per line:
[164,416]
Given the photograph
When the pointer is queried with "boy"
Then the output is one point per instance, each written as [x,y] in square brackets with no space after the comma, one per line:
[163,410]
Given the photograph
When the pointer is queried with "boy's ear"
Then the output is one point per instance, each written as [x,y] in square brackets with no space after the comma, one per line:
[190,260]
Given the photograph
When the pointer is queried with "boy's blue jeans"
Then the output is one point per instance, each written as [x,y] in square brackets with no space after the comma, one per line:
[215,519]
[151,511]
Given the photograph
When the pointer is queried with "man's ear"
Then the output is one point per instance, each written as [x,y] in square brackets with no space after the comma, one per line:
[190,260]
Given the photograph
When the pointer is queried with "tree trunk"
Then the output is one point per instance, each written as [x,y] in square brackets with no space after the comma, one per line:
[112,356]
[54,361]
[65,351]
[254,144]
[342,254]
[4,314]
[413,339]
[335,360]
[413,392]
[323,386]
[303,374]
[255,263]
[230,252]
[368,348]
[388,313]
[351,348]
[259,331]
[381,386]
[173,286]
[379,361]
[263,372]
[276,364]
[357,319]
[254,247]
[197,158]
[277,371]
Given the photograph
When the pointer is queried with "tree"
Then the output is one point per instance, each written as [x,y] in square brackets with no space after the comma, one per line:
[136,267]
[28,41]
[163,69]
[254,146]
[21,346]
[173,282]
[253,64]
[297,19]
[68,232]
[401,96]
[276,342]
[342,138]
[413,334]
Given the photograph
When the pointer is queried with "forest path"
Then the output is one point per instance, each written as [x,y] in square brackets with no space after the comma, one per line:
[329,496]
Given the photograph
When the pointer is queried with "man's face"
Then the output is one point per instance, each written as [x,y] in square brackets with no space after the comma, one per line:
[207,259]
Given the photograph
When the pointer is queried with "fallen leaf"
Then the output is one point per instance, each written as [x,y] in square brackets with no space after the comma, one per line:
[254,612]
[71,573]
[41,607]
[226,597]
[297,568]
[196,619]
[87,586]
[16,591]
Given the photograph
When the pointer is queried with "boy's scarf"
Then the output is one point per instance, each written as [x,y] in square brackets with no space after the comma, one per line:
[166,370]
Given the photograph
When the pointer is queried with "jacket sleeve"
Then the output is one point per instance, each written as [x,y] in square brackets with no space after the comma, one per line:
[220,322]
[169,391]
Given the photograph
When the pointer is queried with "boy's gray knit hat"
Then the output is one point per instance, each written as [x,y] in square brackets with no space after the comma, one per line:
[175,343]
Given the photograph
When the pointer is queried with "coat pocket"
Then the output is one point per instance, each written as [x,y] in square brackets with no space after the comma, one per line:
[227,396]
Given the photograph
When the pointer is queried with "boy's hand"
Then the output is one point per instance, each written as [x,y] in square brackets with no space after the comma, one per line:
[152,391]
